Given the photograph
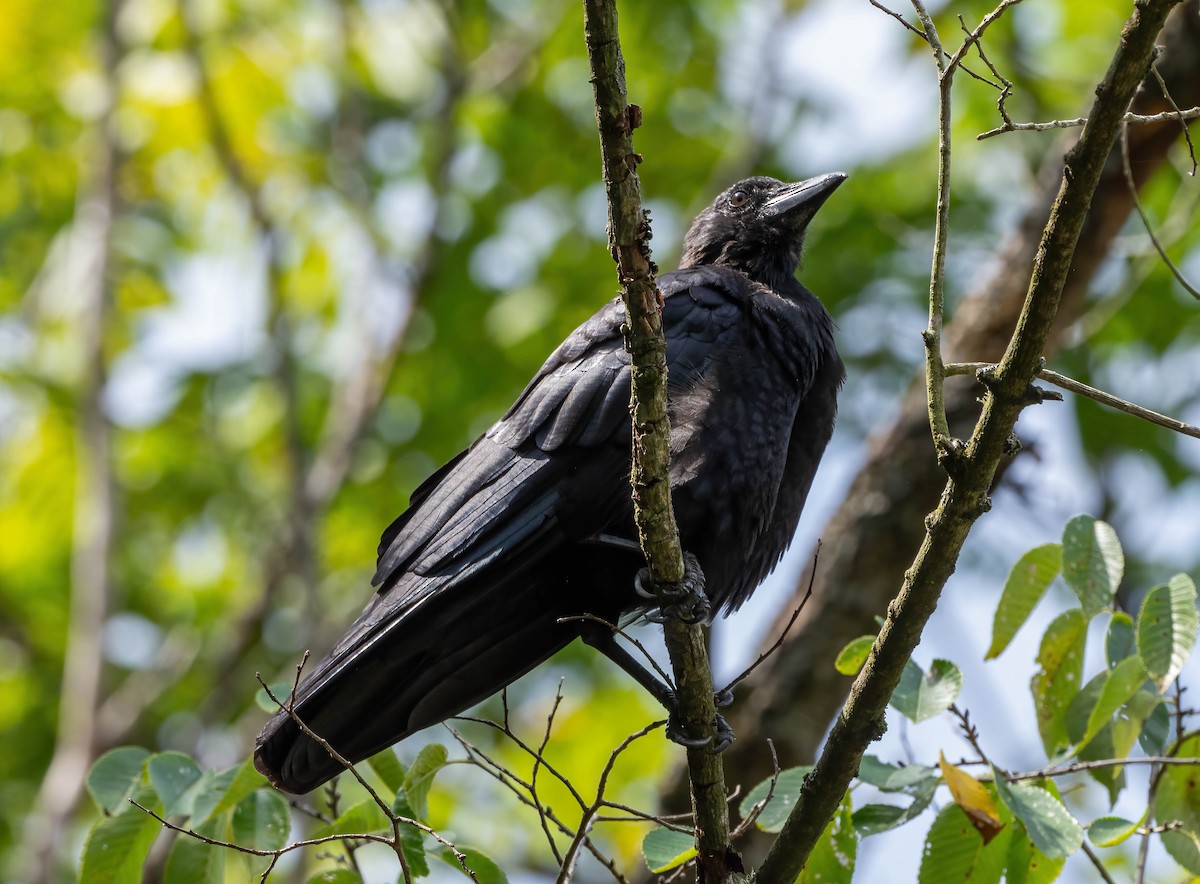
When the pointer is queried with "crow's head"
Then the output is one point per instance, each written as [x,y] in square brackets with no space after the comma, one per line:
[757,226]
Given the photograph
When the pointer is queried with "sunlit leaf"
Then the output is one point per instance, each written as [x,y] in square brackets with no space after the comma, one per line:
[1109,831]
[484,868]
[852,657]
[1166,628]
[922,695]
[975,800]
[1060,661]
[419,778]
[954,851]
[1026,584]
[389,769]
[1121,641]
[1178,800]
[1049,824]
[666,849]
[1092,562]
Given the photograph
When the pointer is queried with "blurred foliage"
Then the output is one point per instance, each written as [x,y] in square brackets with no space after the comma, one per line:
[429,178]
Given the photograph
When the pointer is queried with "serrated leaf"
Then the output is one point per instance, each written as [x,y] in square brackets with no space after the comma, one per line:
[114,775]
[1166,628]
[852,657]
[173,774]
[1109,831]
[192,861]
[262,820]
[117,846]
[1055,685]
[485,869]
[1050,825]
[833,856]
[783,798]
[954,851]
[1092,562]
[973,798]
[666,849]
[389,769]
[421,772]
[1121,641]
[1026,584]
[922,695]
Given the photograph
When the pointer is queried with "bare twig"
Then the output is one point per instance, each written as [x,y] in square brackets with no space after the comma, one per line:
[1077,766]
[1137,205]
[1096,862]
[755,811]
[1191,113]
[778,643]
[1187,134]
[1082,389]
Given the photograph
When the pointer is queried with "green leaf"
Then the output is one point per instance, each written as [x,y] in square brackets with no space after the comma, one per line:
[783,798]
[483,866]
[666,849]
[192,861]
[1055,685]
[955,852]
[262,820]
[1026,584]
[337,876]
[1092,562]
[1178,799]
[922,695]
[208,792]
[114,775]
[281,689]
[429,761]
[1123,682]
[1109,831]
[412,838]
[1025,864]
[364,818]
[1122,639]
[1166,628]
[1103,746]
[871,819]
[832,857]
[245,780]
[172,774]
[1156,730]
[1050,825]
[389,769]
[852,657]
[117,846]
[1079,710]
[893,777]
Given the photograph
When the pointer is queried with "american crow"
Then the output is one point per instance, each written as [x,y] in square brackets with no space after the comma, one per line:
[533,523]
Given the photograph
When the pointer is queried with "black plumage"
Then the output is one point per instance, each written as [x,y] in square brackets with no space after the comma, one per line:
[531,523]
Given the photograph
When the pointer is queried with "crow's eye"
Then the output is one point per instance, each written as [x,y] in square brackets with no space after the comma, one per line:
[739,198]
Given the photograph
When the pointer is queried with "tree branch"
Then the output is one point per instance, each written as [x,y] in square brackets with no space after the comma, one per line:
[965,499]
[629,235]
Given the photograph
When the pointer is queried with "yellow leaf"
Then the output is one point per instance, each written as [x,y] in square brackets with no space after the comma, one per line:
[973,797]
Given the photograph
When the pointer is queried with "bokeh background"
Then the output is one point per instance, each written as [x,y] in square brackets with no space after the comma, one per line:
[264,264]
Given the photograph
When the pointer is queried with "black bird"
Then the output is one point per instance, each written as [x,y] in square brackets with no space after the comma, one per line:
[533,523]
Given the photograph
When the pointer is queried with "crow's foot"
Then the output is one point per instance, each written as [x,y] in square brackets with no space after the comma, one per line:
[723,737]
[685,601]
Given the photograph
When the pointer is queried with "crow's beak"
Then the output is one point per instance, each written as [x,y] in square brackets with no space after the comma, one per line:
[808,195]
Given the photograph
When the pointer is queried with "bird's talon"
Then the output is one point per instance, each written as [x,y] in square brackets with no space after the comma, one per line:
[641,583]
[723,698]
[725,736]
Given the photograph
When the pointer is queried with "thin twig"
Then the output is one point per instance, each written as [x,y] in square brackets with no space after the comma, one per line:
[1100,870]
[1082,389]
[1078,766]
[1137,205]
[617,630]
[1187,135]
[757,809]
[1191,113]
[778,643]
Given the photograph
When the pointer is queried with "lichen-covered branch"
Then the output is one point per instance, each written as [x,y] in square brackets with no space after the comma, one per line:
[629,235]
[965,498]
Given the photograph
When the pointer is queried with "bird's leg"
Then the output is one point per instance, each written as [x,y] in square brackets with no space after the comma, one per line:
[605,641]
[685,600]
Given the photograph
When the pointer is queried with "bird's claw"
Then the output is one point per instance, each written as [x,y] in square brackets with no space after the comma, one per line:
[718,742]
[685,601]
